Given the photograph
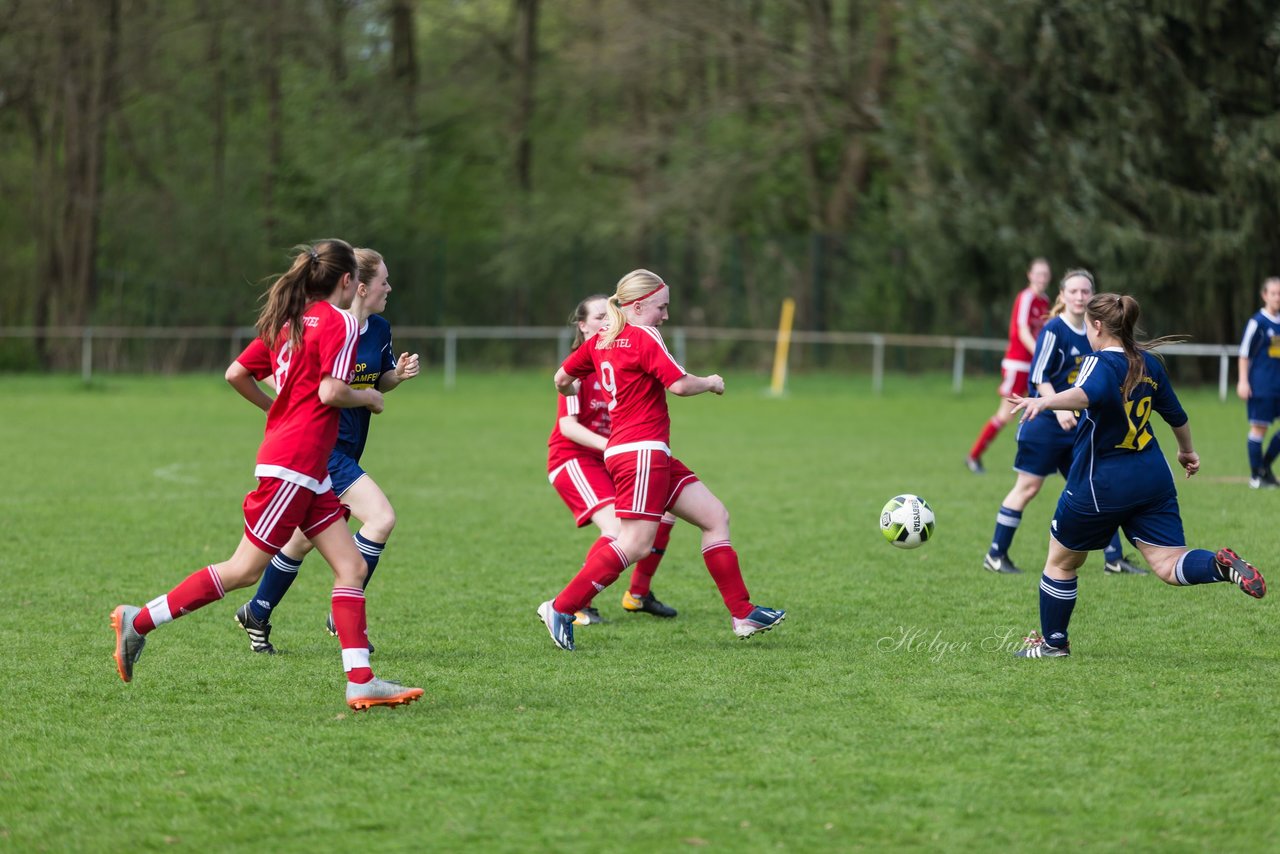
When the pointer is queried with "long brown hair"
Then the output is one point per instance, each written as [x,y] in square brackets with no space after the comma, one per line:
[314,275]
[631,287]
[579,315]
[1118,314]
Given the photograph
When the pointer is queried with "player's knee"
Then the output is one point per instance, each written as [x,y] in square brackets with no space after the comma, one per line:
[351,570]
[382,524]
[717,519]
[1165,570]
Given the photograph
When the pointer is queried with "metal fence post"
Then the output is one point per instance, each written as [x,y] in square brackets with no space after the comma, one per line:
[450,357]
[1224,363]
[957,368]
[86,354]
[877,363]
[678,339]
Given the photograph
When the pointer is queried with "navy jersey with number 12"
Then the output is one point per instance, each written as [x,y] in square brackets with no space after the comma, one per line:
[1117,461]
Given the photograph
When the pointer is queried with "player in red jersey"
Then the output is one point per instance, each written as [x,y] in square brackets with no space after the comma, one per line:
[575,467]
[376,367]
[1030,312]
[636,371]
[313,342]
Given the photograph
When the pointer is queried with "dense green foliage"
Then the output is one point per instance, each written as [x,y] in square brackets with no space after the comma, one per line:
[829,733]
[891,165]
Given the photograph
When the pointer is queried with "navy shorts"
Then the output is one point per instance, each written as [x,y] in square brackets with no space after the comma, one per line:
[1043,447]
[1157,522]
[1263,410]
[344,471]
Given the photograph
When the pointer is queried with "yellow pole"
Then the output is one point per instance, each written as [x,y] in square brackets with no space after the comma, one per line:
[783,349]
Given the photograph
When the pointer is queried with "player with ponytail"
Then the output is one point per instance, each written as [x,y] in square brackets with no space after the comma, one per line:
[636,371]
[1119,478]
[312,341]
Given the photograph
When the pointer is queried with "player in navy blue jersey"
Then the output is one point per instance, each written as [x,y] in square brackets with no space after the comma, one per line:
[1260,384]
[375,368]
[1119,477]
[1045,444]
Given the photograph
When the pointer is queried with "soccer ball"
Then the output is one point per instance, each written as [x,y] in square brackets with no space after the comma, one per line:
[907,521]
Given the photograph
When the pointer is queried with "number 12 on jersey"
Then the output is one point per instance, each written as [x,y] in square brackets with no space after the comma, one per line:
[1138,435]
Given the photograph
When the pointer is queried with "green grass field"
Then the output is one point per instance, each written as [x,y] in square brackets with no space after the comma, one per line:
[828,733]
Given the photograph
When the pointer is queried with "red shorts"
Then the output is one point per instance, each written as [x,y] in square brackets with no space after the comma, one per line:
[277,508]
[1013,381]
[647,482]
[584,485]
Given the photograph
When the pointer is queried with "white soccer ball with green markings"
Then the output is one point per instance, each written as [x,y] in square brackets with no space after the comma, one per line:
[907,521]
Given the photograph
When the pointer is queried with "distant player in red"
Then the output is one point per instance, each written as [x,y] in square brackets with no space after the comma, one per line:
[575,467]
[1030,313]
[636,372]
[312,340]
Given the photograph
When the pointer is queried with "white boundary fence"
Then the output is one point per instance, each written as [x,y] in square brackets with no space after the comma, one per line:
[678,337]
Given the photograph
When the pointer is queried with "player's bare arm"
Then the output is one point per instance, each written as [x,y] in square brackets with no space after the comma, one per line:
[334,392]
[1066,417]
[1187,456]
[566,384]
[1243,389]
[242,381]
[1030,407]
[408,366]
[691,384]
[575,431]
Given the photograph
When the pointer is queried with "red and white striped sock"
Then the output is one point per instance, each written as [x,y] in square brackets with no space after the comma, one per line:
[602,568]
[642,575]
[194,592]
[353,635]
[601,541]
[722,563]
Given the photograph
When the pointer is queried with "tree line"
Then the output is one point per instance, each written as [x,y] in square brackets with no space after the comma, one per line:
[890,164]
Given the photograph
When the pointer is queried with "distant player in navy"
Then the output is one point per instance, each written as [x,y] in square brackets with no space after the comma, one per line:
[374,368]
[1119,477]
[1045,444]
[1259,384]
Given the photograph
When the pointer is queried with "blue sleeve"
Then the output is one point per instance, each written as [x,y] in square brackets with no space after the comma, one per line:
[1097,380]
[1251,341]
[1047,356]
[388,356]
[1165,399]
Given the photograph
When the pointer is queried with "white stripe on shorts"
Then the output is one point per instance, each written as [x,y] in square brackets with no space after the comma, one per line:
[279,503]
[580,483]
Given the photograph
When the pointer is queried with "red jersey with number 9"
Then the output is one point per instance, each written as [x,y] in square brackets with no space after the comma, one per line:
[302,430]
[634,371]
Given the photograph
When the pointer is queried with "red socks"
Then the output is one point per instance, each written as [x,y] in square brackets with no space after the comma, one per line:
[196,590]
[353,634]
[722,563]
[604,564]
[985,438]
[642,575]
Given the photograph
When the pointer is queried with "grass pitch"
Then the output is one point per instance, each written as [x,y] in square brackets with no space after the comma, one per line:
[885,713]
